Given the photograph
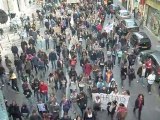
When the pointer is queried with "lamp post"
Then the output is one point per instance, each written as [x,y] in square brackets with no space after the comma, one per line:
[8,9]
[18,5]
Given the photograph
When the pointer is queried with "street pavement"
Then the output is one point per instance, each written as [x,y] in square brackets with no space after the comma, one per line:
[151,109]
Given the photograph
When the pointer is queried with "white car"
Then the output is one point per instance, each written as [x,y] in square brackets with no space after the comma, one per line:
[123,14]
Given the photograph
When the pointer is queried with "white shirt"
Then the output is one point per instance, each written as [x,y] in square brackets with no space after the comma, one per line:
[143,72]
[97,101]
[151,79]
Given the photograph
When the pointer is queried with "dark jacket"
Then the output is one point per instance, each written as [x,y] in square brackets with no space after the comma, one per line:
[93,56]
[82,102]
[2,70]
[123,73]
[139,72]
[132,59]
[131,74]
[35,60]
[52,56]
[35,85]
[24,109]
[88,118]
[137,103]
[31,41]
[23,44]
[27,93]
[31,51]
[35,117]
[14,49]
[18,63]
[14,111]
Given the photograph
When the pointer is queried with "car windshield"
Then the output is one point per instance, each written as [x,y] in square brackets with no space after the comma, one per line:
[146,40]
[131,23]
[125,13]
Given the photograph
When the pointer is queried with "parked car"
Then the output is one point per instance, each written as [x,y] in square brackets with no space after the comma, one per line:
[141,40]
[129,25]
[114,8]
[155,57]
[123,14]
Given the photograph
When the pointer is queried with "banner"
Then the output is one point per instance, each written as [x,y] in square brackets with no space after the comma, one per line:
[108,28]
[105,98]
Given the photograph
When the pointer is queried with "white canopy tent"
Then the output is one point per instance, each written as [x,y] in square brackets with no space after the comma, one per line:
[73,1]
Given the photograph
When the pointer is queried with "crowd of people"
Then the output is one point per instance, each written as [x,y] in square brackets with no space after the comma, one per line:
[73,37]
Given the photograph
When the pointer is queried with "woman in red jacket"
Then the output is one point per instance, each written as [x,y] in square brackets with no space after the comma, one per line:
[43,88]
[87,68]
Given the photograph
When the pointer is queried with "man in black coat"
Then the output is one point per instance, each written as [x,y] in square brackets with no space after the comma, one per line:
[53,58]
[82,101]
[14,50]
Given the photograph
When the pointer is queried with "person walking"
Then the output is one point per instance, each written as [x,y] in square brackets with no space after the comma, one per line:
[151,78]
[14,111]
[35,116]
[142,74]
[131,74]
[139,103]
[123,74]
[121,112]
[14,50]
[53,58]
[89,115]
[43,88]
[35,61]
[13,78]
[46,38]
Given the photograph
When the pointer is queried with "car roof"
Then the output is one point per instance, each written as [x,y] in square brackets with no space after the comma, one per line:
[140,35]
[148,51]
[123,11]
[129,20]
[156,55]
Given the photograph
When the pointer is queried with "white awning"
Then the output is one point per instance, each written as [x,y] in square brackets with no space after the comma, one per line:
[72,1]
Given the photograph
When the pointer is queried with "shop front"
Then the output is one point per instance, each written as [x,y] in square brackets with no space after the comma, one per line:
[152,16]
[153,21]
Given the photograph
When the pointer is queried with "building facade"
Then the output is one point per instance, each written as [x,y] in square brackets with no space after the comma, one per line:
[14,6]
[152,16]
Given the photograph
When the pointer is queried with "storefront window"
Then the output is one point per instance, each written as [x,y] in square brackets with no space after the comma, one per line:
[153,21]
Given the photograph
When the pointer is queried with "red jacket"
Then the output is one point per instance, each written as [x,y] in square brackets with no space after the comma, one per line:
[43,88]
[87,69]
[149,64]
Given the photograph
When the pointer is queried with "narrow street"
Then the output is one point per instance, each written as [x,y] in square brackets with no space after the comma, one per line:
[151,109]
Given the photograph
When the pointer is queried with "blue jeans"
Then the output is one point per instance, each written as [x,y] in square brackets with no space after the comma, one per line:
[44,97]
[53,62]
[141,80]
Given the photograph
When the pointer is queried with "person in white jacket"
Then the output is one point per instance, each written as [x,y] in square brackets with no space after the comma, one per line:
[151,78]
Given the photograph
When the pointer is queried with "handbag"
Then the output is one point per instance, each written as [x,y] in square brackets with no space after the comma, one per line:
[123,77]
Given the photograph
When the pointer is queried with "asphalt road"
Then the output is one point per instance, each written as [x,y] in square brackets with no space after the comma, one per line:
[151,109]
